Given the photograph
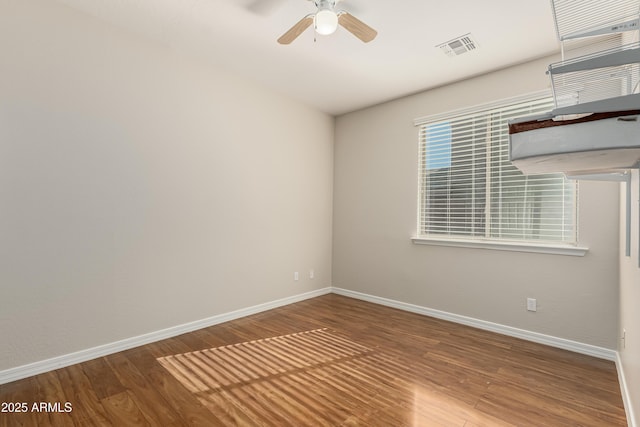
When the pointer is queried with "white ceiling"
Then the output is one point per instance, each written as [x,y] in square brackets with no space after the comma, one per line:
[339,73]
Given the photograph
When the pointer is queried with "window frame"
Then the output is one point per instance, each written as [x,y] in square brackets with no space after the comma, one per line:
[519,245]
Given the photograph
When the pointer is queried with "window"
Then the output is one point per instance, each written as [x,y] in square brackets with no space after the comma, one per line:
[470,190]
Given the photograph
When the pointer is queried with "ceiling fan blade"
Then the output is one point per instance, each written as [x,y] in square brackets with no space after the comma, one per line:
[296,30]
[357,27]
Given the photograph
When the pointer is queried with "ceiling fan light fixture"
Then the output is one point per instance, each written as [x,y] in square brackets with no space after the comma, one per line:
[326,22]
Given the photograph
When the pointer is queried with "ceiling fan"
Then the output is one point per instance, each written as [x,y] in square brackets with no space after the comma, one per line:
[326,20]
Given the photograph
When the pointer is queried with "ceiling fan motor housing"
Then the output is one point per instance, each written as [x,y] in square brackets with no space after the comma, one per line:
[325,4]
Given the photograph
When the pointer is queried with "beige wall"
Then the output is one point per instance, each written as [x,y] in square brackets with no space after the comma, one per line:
[140,190]
[375,204]
[630,300]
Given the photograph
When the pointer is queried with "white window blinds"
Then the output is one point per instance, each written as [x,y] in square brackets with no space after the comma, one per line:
[469,188]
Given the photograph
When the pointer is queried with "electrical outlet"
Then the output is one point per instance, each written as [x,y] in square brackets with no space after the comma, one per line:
[624,338]
[311,274]
[296,276]
[532,304]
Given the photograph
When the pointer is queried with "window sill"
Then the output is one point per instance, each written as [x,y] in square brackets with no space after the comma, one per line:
[542,248]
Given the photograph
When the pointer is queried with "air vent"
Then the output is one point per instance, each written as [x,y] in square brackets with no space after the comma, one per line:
[459,45]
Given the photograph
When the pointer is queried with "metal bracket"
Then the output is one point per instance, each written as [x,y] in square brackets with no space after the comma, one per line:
[617,176]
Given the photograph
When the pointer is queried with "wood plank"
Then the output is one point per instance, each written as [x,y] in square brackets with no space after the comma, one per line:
[149,401]
[78,389]
[123,410]
[103,381]
[174,394]
[52,402]
[18,393]
[514,404]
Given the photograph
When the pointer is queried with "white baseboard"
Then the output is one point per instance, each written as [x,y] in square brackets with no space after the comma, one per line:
[626,397]
[40,367]
[578,347]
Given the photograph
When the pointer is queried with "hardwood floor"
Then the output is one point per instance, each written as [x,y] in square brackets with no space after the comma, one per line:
[329,361]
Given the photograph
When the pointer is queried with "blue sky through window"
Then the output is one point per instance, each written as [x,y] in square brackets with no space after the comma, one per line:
[438,146]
